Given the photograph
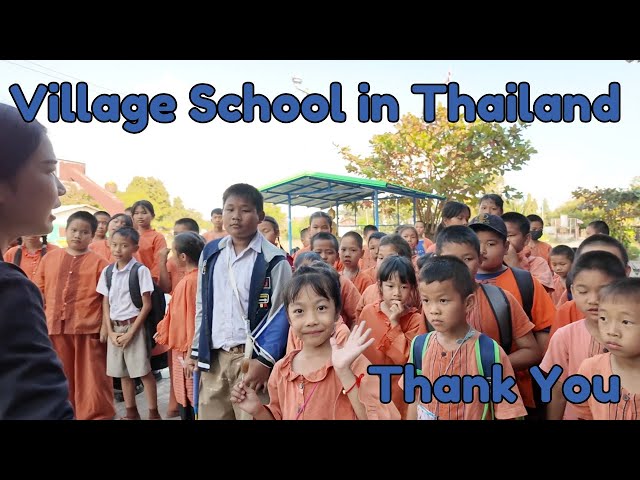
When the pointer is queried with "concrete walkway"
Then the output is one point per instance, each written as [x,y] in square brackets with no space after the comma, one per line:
[163,400]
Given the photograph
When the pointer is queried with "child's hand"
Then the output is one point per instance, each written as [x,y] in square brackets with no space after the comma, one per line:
[190,365]
[257,376]
[342,358]
[246,398]
[163,254]
[124,339]
[113,336]
[104,334]
[511,258]
[396,310]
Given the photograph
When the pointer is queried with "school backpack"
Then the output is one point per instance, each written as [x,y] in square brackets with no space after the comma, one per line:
[157,313]
[18,256]
[524,281]
[487,354]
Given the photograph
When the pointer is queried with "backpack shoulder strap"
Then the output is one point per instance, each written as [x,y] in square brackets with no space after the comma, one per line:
[134,285]
[17,258]
[502,313]
[524,280]
[487,354]
[44,250]
[418,348]
[109,275]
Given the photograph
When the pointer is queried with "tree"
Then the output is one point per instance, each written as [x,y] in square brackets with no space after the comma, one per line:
[76,196]
[456,160]
[525,206]
[618,207]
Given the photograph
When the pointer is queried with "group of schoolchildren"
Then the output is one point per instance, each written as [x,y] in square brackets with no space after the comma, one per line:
[267,335]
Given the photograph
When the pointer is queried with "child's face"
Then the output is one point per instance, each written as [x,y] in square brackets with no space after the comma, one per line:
[536,226]
[619,327]
[420,229]
[493,248]
[465,252]
[443,306]
[515,236]
[319,225]
[79,235]
[374,245]
[103,221]
[560,265]
[591,231]
[179,228]
[585,290]
[268,231]
[115,224]
[142,217]
[460,219]
[327,250]
[305,239]
[216,220]
[350,253]
[393,290]
[489,206]
[411,238]
[312,317]
[122,248]
[240,217]
[385,251]
[178,258]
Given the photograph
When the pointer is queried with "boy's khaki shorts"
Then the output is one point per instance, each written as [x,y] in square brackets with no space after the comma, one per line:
[132,361]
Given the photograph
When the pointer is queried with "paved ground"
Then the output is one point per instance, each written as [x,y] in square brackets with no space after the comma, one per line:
[141,400]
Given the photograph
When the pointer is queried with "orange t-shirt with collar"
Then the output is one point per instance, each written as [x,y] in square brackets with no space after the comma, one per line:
[151,242]
[29,261]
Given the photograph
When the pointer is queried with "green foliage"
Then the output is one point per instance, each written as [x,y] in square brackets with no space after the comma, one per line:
[456,160]
[76,196]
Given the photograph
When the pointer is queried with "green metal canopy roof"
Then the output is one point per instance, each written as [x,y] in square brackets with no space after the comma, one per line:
[323,190]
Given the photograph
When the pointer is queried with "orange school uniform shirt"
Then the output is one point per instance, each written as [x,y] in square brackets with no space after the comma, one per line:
[366,262]
[568,348]
[482,319]
[540,249]
[437,362]
[318,395]
[102,248]
[392,344]
[542,310]
[628,408]
[176,273]
[566,314]
[151,242]
[350,298]
[559,289]
[68,285]
[177,328]
[211,235]
[538,267]
[362,280]
[29,261]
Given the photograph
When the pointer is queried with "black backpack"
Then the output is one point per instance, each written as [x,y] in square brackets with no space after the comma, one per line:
[157,313]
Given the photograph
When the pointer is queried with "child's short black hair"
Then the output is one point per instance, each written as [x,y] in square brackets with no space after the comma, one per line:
[562,250]
[303,232]
[535,218]
[216,211]
[356,236]
[400,245]
[621,291]
[458,234]
[128,233]
[321,214]
[450,210]
[444,268]
[396,265]
[602,239]
[85,217]
[376,236]
[604,262]
[325,236]
[146,204]
[126,218]
[493,197]
[189,243]
[323,280]
[600,226]
[423,259]
[246,191]
[190,223]
[102,212]
[369,228]
[519,220]
[306,257]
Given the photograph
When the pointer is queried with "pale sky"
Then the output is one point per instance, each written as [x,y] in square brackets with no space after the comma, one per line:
[198,161]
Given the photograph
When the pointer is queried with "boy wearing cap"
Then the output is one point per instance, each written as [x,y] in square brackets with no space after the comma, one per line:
[492,233]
